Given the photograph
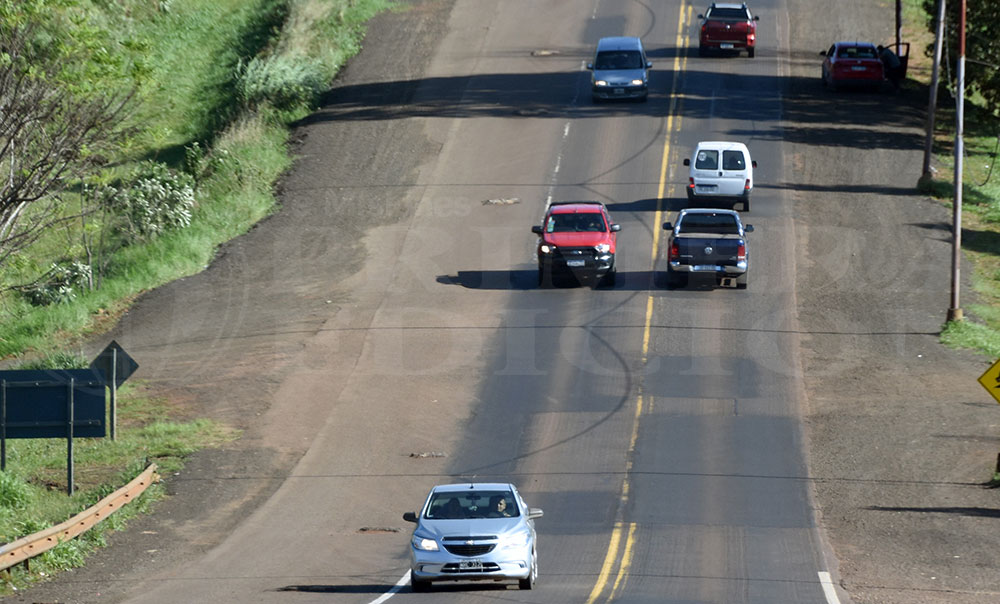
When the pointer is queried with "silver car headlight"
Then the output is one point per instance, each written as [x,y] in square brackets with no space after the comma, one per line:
[517,540]
[546,248]
[602,248]
[600,82]
[424,544]
[637,82]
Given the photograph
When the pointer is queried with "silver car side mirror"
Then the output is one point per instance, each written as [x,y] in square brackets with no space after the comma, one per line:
[535,513]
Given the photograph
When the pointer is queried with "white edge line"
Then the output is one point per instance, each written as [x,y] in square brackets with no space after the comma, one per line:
[828,589]
[395,588]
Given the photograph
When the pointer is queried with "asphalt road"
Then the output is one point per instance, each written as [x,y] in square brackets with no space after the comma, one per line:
[657,428]
[384,332]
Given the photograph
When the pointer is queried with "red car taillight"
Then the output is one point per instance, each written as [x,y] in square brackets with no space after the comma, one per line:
[741,251]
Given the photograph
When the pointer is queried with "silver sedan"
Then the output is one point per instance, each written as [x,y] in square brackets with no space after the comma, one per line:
[473,532]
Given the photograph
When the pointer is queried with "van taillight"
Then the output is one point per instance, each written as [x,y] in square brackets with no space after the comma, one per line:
[741,251]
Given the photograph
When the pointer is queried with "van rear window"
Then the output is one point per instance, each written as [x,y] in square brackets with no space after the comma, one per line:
[707,159]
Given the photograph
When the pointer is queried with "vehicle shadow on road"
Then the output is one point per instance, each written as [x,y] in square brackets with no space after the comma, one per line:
[959,511]
[651,204]
[527,279]
[810,114]
[381,588]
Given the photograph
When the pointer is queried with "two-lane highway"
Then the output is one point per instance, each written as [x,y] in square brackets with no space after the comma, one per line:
[659,429]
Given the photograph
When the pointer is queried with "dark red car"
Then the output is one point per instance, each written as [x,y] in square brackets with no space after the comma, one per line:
[577,238]
[728,26]
[852,64]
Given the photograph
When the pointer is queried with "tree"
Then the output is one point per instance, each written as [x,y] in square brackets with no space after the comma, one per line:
[56,123]
[982,45]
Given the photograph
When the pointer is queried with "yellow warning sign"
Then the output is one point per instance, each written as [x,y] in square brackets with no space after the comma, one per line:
[991,380]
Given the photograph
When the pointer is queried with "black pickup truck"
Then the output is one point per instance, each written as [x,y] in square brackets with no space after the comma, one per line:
[710,242]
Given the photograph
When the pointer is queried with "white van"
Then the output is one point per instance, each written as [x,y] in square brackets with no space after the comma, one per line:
[721,170]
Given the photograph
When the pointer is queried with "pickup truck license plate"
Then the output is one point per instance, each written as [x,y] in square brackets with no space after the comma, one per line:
[575,263]
[471,565]
[725,45]
[703,268]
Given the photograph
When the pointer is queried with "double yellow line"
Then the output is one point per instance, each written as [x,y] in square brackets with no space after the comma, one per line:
[620,550]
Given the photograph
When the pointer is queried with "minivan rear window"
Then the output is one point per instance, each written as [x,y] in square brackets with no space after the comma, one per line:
[707,159]
[733,160]
[618,59]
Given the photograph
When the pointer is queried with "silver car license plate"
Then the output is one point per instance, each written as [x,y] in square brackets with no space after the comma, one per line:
[575,263]
[471,565]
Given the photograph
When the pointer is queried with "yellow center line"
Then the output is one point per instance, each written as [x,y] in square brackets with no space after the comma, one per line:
[611,558]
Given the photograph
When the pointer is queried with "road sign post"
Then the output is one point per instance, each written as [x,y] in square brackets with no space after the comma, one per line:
[116,366]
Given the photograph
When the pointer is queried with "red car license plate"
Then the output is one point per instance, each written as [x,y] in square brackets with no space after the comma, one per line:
[725,45]
[858,68]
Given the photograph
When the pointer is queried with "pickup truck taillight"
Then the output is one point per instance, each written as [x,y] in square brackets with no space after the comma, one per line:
[741,252]
[675,251]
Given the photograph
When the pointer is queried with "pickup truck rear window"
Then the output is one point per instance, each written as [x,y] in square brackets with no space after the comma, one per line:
[723,224]
[729,14]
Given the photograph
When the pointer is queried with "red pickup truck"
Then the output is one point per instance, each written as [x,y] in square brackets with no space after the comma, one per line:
[727,26]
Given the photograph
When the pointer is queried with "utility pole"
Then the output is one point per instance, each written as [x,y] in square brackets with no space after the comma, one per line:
[932,102]
[955,312]
[899,25]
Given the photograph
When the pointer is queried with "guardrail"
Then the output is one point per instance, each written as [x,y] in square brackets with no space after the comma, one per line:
[28,547]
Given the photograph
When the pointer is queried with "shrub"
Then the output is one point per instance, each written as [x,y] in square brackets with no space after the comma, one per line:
[15,494]
[154,200]
[282,81]
[60,284]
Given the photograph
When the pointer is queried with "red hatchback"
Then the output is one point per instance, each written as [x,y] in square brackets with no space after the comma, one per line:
[852,64]
[577,238]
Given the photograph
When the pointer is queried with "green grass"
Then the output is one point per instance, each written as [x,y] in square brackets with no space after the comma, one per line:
[191,97]
[33,488]
[192,52]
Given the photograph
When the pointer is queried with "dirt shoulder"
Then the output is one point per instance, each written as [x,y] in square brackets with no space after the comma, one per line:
[219,345]
[901,435]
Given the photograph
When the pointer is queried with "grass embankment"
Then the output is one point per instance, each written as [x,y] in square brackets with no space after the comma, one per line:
[980,193]
[225,78]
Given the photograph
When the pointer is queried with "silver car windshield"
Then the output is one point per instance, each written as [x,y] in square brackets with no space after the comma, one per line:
[456,505]
[618,59]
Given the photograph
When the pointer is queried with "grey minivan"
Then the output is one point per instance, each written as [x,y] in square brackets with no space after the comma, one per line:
[620,69]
